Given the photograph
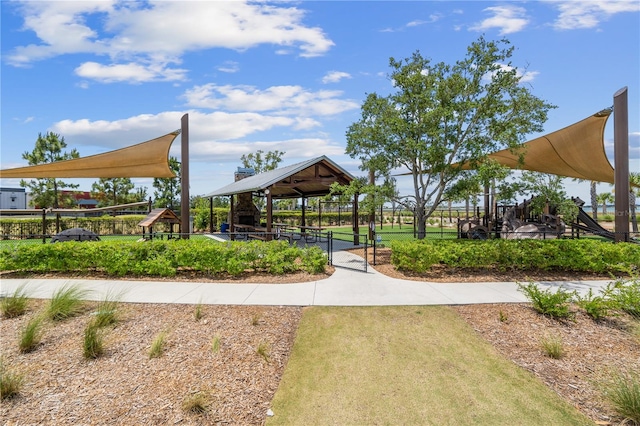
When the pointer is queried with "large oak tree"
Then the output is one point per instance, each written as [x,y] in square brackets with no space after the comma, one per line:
[441,116]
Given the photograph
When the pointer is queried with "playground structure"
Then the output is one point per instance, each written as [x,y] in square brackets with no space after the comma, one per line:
[514,222]
[519,222]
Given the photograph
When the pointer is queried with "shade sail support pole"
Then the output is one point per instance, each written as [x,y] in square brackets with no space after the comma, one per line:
[621,163]
[184,178]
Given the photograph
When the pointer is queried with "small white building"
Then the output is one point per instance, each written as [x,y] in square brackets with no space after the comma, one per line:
[13,198]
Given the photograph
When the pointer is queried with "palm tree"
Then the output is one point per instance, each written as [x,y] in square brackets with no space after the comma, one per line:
[605,198]
[594,200]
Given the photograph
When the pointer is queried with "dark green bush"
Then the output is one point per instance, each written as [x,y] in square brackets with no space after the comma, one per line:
[563,255]
[553,303]
[164,258]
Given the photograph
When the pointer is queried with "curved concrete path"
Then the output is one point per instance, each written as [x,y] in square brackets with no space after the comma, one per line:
[344,288]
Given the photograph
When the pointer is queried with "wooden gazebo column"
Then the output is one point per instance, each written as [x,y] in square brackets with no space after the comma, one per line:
[269,212]
[232,228]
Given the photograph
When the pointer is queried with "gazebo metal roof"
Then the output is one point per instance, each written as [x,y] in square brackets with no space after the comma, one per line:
[309,178]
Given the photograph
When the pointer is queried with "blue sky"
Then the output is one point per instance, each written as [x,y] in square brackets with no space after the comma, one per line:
[287,76]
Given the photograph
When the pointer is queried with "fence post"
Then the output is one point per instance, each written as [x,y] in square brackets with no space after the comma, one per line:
[44,226]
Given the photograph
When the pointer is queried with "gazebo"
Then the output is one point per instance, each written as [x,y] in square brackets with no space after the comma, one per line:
[310,178]
[160,216]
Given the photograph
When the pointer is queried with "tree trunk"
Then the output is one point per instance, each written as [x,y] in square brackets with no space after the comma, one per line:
[56,203]
[594,200]
[421,222]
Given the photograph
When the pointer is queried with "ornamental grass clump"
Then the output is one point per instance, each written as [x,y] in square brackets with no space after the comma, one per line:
[215,344]
[31,334]
[553,303]
[553,346]
[107,312]
[196,403]
[623,393]
[66,302]
[10,382]
[158,344]
[15,304]
[264,350]
[93,343]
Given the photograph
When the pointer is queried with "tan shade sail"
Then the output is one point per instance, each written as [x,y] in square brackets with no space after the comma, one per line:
[146,159]
[576,151]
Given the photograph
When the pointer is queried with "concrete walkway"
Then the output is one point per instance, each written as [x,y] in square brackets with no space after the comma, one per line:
[344,288]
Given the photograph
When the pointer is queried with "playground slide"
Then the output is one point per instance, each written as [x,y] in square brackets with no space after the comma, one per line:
[590,225]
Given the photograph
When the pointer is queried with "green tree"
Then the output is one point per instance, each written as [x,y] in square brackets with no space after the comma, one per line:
[167,190]
[48,149]
[605,198]
[139,195]
[442,116]
[634,191]
[261,162]
[112,191]
[548,188]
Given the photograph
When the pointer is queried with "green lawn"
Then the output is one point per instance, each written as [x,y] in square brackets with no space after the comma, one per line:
[406,366]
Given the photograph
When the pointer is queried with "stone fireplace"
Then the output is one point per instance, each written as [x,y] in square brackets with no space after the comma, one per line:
[244,211]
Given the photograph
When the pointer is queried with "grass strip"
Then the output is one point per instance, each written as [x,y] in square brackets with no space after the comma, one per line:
[406,365]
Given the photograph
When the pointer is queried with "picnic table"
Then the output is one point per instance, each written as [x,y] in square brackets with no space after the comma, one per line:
[250,231]
[309,233]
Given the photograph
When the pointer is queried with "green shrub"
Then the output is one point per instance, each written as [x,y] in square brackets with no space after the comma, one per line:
[166,258]
[580,255]
[625,295]
[553,303]
[10,382]
[15,304]
[597,307]
[66,302]
[31,334]
[623,392]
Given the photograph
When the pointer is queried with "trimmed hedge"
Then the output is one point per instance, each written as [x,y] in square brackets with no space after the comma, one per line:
[164,258]
[563,254]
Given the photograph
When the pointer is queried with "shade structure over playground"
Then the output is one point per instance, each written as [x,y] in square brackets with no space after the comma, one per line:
[575,151]
[146,159]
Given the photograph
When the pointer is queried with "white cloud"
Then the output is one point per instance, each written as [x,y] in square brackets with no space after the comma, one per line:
[588,14]
[229,67]
[153,34]
[524,76]
[507,18]
[335,76]
[130,72]
[294,149]
[288,100]
[214,137]
[216,125]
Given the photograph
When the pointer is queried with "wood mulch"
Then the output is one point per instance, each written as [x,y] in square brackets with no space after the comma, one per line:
[125,387]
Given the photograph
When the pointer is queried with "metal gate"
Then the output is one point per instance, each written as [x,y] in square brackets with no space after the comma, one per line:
[348,250]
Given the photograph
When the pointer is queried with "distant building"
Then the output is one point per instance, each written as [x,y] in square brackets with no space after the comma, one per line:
[13,198]
[83,199]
